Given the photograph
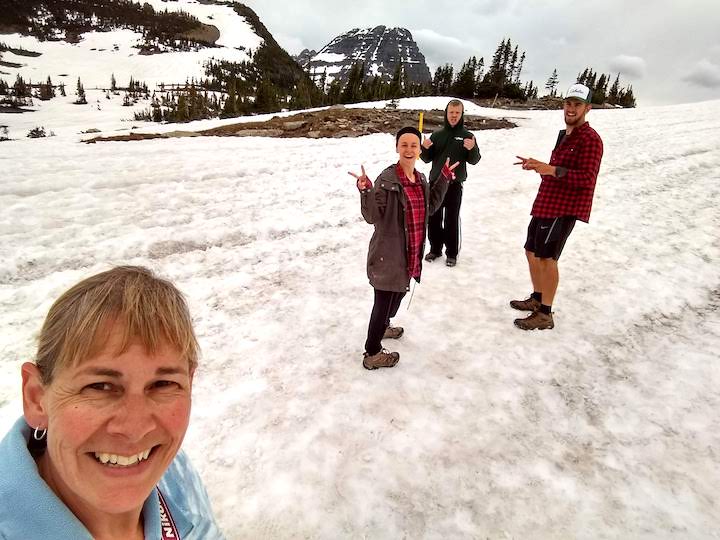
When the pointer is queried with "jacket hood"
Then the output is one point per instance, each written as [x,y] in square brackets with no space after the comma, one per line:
[461,123]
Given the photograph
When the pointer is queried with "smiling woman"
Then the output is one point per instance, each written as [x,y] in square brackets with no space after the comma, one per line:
[398,206]
[106,407]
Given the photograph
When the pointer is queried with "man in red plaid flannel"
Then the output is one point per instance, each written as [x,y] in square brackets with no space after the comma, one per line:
[565,195]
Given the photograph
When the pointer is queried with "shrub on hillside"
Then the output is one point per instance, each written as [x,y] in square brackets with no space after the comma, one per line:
[37,132]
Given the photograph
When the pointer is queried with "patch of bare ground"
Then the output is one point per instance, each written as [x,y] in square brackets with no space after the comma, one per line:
[206,33]
[335,122]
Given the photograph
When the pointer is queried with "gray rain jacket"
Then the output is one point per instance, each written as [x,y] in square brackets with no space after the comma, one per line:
[384,207]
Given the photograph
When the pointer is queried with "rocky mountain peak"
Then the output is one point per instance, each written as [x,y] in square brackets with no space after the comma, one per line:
[380,48]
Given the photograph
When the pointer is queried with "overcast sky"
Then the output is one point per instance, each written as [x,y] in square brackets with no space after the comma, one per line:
[669,50]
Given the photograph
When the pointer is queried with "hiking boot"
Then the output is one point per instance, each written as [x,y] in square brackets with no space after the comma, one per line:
[537,320]
[430,257]
[381,359]
[451,261]
[529,304]
[393,332]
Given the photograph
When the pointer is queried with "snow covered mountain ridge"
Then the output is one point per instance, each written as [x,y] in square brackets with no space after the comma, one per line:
[123,50]
[382,49]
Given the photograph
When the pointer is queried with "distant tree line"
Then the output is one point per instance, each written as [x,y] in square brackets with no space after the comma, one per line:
[502,79]
[271,80]
[600,93]
[22,92]
[231,88]
[47,18]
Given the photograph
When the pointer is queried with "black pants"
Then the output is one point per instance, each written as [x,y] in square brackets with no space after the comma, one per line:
[385,308]
[444,225]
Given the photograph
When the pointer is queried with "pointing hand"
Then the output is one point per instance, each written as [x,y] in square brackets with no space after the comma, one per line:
[540,167]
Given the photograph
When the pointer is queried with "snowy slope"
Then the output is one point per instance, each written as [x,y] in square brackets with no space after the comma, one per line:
[101,54]
[605,427]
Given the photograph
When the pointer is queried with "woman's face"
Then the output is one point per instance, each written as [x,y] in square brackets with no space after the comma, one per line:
[115,423]
[408,148]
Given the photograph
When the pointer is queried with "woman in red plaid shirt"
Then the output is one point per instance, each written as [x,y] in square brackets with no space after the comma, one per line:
[565,195]
[398,205]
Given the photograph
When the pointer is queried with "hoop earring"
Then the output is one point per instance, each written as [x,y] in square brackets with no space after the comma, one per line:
[39,434]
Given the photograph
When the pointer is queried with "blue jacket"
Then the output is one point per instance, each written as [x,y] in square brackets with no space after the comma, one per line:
[29,510]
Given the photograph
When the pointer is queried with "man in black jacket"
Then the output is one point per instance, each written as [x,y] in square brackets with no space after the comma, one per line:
[455,142]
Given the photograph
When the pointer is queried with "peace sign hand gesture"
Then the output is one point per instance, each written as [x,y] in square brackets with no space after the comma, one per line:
[363,182]
[448,170]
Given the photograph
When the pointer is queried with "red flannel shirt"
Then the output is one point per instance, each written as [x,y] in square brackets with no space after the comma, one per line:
[572,193]
[414,219]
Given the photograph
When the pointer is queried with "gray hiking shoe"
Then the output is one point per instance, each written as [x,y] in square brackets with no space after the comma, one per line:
[529,304]
[451,261]
[381,359]
[430,257]
[537,320]
[393,332]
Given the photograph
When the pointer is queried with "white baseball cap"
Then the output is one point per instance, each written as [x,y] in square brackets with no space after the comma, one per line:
[580,92]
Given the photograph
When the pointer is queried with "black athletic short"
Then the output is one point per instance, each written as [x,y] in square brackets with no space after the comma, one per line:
[546,236]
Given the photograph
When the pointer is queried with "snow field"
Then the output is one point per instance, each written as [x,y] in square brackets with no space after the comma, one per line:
[604,427]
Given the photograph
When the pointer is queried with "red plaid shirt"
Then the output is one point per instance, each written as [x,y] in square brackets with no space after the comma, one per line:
[414,219]
[571,194]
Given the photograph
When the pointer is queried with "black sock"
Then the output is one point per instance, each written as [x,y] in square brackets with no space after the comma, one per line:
[545,309]
[537,296]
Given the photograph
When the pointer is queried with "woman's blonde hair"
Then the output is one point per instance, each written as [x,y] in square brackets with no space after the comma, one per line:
[147,308]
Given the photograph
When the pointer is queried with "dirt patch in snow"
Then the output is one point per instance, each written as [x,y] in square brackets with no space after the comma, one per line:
[335,122]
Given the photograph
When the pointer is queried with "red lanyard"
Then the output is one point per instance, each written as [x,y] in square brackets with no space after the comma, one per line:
[167,525]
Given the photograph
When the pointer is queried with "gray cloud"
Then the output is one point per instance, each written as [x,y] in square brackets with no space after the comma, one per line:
[438,48]
[704,74]
[490,7]
[629,66]
[643,41]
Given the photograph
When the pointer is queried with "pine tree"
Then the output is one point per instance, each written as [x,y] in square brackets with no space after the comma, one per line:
[266,98]
[183,114]
[591,82]
[552,83]
[513,65]
[614,94]
[598,96]
[113,83]
[333,93]
[464,85]
[46,90]
[442,82]
[157,112]
[479,72]
[626,97]
[230,105]
[351,93]
[582,77]
[519,68]
[301,97]
[80,92]
[396,90]
[21,88]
